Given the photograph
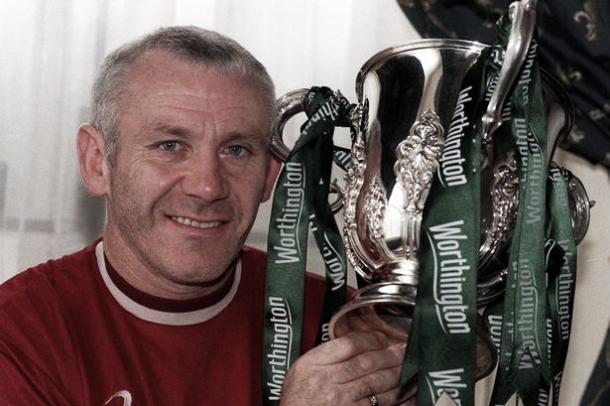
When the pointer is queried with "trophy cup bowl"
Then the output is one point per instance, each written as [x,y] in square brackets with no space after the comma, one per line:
[406,100]
[407,97]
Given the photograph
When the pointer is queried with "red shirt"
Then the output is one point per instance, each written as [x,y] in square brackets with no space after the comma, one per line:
[72,332]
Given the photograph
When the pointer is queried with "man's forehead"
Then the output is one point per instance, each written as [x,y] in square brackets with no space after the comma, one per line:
[158,73]
[156,66]
[159,68]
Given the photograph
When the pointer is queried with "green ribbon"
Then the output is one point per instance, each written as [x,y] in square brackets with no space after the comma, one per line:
[562,278]
[524,359]
[560,264]
[300,201]
[442,342]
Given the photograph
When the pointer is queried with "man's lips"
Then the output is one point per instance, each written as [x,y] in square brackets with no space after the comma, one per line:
[196,223]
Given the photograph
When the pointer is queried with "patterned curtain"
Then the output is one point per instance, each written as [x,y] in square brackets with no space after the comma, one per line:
[574,38]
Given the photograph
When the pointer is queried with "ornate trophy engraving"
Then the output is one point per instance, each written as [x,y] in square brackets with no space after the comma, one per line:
[417,160]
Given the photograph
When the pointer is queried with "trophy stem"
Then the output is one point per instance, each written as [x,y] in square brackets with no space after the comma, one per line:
[405,272]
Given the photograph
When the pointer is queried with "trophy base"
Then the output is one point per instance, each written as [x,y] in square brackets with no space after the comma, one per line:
[388,308]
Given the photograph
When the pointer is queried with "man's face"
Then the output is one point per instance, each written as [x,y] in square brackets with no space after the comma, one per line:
[191,169]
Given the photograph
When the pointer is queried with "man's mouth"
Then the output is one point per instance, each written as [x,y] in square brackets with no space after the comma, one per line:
[194,223]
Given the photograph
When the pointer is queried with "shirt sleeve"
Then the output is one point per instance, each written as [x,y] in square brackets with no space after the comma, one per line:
[22,383]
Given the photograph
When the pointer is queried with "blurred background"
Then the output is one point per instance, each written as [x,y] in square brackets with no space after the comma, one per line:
[49,51]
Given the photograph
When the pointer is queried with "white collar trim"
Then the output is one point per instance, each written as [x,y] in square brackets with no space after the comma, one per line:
[158,316]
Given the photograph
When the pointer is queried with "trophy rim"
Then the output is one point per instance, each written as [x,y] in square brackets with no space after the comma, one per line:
[426,43]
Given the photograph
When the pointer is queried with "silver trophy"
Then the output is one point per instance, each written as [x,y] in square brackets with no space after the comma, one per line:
[406,100]
[408,97]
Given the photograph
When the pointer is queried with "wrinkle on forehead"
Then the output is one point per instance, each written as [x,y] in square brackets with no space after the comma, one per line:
[163,79]
[160,66]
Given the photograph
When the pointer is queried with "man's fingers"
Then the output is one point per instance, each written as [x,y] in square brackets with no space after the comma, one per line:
[346,371]
[389,398]
[382,384]
[346,347]
[370,361]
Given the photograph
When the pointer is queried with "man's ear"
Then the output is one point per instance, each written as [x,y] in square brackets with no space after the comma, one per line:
[93,166]
[273,169]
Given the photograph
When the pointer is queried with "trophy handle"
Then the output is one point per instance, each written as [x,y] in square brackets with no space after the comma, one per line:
[523,16]
[337,204]
[560,112]
[288,105]
[580,208]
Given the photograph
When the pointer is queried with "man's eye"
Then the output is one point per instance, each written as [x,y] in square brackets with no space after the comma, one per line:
[236,150]
[169,146]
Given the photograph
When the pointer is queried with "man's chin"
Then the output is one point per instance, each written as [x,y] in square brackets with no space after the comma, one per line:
[201,276]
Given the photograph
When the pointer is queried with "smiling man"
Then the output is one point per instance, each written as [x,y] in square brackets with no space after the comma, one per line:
[166,308]
[187,177]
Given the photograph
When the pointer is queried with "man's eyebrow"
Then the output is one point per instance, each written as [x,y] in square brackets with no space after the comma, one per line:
[175,131]
[252,138]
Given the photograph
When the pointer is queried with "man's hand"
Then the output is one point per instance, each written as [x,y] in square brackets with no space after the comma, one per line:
[346,371]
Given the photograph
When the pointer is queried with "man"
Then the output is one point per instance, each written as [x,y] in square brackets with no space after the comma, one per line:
[166,308]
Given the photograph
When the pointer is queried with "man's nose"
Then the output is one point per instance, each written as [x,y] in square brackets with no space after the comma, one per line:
[204,178]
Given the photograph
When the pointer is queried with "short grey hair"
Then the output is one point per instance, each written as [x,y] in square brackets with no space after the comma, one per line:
[189,42]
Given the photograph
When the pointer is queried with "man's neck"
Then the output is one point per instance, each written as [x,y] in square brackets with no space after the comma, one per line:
[146,279]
